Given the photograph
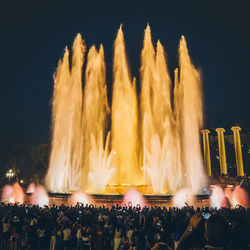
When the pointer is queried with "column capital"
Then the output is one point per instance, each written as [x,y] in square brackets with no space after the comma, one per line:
[235,128]
[205,131]
[220,129]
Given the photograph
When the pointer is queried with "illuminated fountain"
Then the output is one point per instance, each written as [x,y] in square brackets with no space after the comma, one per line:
[151,143]
[79,197]
[67,143]
[240,197]
[158,132]
[218,198]
[133,198]
[39,196]
[124,117]
[183,198]
[12,194]
[97,156]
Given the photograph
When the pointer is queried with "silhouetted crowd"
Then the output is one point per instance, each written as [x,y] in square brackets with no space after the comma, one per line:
[91,227]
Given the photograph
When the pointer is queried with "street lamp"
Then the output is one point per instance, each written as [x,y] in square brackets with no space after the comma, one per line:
[9,174]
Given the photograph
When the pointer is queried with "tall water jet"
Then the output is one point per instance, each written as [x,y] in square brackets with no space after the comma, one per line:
[67,139]
[97,155]
[124,127]
[177,103]
[191,110]
[86,154]
[159,152]
[100,161]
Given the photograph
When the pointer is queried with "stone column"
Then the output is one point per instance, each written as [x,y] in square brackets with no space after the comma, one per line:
[206,149]
[238,152]
[222,151]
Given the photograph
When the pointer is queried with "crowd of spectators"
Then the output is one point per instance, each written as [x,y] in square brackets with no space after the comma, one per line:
[120,228]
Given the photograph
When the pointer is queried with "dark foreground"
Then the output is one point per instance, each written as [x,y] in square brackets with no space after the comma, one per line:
[91,227]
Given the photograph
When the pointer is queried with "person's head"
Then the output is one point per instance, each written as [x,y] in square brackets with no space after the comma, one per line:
[217,232]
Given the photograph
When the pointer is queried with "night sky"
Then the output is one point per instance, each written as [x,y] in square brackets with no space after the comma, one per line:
[33,37]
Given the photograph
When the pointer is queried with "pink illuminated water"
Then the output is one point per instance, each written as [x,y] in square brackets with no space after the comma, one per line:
[183,198]
[40,197]
[6,193]
[134,197]
[80,197]
[240,197]
[218,198]
[31,188]
[12,194]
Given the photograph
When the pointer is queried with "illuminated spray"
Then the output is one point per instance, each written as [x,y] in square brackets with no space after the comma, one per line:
[65,165]
[124,119]
[163,146]
[97,156]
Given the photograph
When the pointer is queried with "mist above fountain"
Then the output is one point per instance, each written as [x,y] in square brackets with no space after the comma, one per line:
[151,141]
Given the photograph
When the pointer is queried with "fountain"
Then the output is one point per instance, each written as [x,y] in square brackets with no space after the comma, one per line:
[152,143]
[124,119]
[239,197]
[40,197]
[31,188]
[12,194]
[133,198]
[217,198]
[79,197]
[183,198]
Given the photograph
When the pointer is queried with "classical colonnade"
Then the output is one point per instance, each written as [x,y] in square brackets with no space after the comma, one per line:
[222,151]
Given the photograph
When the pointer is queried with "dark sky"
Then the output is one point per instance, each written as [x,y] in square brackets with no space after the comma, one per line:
[33,37]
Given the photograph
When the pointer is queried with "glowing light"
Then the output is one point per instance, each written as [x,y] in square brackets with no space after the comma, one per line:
[12,194]
[97,161]
[183,197]
[100,165]
[11,200]
[79,197]
[10,174]
[6,194]
[31,188]
[40,197]
[65,160]
[18,193]
[133,197]
[217,197]
[124,119]
[240,197]
[157,119]
[88,155]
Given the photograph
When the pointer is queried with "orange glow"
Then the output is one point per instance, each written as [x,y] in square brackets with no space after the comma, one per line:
[133,198]
[39,196]
[217,198]
[12,194]
[79,197]
[183,197]
[240,197]
[149,142]
[124,128]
